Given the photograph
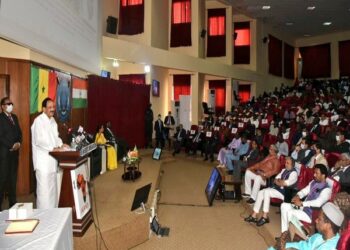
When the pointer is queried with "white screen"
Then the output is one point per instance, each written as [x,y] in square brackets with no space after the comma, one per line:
[68,30]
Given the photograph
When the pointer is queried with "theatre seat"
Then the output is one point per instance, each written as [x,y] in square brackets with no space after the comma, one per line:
[344,241]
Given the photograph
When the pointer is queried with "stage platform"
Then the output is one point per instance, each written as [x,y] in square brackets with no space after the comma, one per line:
[119,227]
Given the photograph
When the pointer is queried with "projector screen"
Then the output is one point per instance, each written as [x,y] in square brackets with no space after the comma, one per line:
[68,30]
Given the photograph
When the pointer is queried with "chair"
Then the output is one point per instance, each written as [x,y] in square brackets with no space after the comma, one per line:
[332,158]
[344,241]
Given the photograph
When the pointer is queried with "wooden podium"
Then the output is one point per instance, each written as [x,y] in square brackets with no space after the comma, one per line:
[71,162]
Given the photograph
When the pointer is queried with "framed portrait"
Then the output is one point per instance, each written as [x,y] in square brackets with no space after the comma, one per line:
[155,88]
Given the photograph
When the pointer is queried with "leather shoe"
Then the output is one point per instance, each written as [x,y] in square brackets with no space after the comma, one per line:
[250,219]
[205,159]
[250,201]
[262,221]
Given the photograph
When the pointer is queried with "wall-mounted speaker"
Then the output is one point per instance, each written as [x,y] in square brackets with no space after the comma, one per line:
[235,36]
[112,24]
[203,33]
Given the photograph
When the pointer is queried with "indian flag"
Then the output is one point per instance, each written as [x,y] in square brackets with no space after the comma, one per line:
[43,83]
[79,93]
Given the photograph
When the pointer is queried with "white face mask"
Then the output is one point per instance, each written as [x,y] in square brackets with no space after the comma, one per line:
[302,146]
[337,138]
[9,108]
[304,134]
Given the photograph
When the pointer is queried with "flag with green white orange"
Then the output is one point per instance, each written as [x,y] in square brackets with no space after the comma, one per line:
[80,88]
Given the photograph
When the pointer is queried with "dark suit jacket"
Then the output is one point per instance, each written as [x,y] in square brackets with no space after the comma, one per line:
[171,118]
[9,133]
[159,129]
[109,136]
[182,135]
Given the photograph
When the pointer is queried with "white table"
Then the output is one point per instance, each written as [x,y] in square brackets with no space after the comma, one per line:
[54,231]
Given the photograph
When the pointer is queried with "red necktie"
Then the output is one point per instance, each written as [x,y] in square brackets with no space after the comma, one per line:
[11,119]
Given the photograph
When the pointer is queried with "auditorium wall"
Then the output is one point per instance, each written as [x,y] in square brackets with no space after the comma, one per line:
[160,30]
[333,38]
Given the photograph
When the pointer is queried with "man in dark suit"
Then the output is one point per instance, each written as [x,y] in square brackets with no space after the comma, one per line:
[159,128]
[10,142]
[169,123]
[148,126]
[179,139]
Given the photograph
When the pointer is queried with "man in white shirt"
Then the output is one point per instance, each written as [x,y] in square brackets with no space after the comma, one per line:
[45,139]
[316,194]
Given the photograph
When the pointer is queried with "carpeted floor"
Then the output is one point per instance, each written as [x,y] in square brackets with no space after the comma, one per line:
[193,224]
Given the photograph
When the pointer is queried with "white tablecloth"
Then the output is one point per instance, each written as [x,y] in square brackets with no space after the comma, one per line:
[54,231]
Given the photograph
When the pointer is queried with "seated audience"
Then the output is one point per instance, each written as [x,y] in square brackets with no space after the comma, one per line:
[316,194]
[328,223]
[318,157]
[235,143]
[179,139]
[100,139]
[210,143]
[282,146]
[287,178]
[342,146]
[195,142]
[237,153]
[259,173]
[341,170]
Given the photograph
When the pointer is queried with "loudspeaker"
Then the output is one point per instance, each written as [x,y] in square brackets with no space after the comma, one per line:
[203,33]
[265,39]
[235,36]
[112,24]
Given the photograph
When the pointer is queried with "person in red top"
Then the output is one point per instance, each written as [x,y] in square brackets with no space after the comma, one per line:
[259,173]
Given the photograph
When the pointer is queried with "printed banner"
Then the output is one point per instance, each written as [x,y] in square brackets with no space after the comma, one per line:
[80,190]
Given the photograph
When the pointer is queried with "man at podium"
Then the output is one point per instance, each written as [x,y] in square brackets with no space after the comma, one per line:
[45,139]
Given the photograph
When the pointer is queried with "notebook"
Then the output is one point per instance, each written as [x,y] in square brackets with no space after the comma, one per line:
[21,226]
[162,231]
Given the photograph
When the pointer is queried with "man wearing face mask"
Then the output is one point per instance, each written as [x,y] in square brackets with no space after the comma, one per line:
[44,140]
[10,143]
[159,129]
[342,146]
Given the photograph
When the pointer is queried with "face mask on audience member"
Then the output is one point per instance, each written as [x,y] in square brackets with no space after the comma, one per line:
[337,138]
[302,146]
[304,134]
[9,108]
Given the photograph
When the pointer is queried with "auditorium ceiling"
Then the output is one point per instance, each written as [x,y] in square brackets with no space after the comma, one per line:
[298,17]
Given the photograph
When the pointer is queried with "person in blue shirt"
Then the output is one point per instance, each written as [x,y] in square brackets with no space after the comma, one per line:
[242,149]
[328,224]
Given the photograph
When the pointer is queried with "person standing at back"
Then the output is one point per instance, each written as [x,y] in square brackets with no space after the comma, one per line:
[10,143]
[45,139]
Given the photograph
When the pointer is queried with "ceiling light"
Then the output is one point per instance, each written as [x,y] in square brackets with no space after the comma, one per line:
[327,23]
[311,8]
[115,63]
[266,7]
[147,68]
[289,23]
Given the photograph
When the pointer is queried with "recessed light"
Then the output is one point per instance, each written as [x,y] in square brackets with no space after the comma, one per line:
[311,7]
[289,23]
[266,7]
[327,23]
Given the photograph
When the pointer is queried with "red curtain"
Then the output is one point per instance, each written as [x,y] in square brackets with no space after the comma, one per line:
[122,103]
[133,78]
[182,86]
[344,58]
[131,17]
[288,61]
[180,33]
[244,92]
[275,56]
[220,94]
[241,43]
[216,43]
[316,61]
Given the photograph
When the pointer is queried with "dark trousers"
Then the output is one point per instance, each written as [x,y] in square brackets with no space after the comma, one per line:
[8,176]
[159,140]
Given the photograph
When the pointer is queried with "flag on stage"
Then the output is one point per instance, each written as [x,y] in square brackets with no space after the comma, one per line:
[79,93]
[43,83]
[34,84]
